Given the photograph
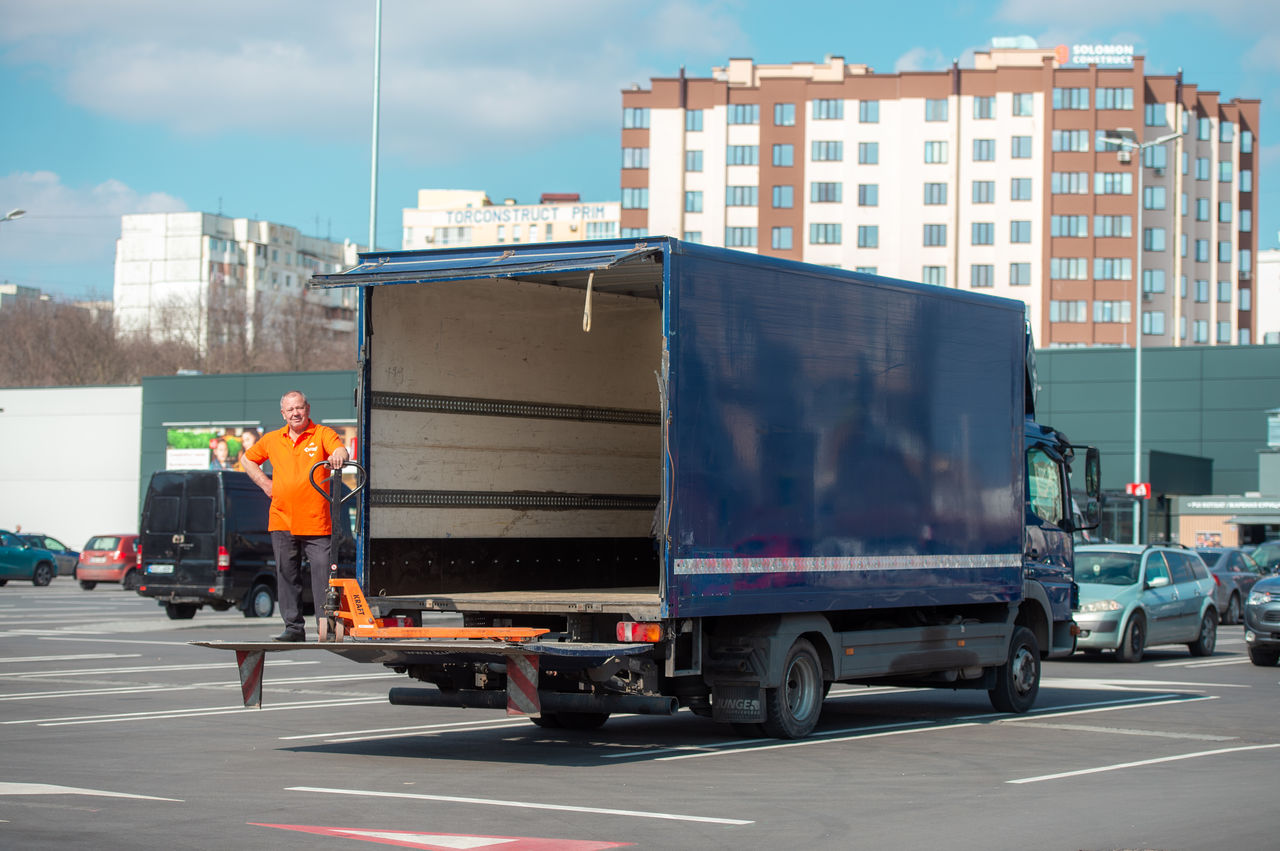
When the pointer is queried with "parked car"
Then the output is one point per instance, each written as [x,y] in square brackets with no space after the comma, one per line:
[109,558]
[66,557]
[1267,555]
[1234,573]
[1262,622]
[20,559]
[1133,597]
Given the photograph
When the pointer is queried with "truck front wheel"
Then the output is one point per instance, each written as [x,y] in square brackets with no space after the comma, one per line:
[792,709]
[1018,679]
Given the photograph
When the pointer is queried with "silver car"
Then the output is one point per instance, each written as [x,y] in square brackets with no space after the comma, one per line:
[1234,573]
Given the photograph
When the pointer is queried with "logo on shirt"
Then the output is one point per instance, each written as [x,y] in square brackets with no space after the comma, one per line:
[310,449]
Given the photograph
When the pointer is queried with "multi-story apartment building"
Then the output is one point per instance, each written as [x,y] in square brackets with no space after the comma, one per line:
[1027,176]
[201,277]
[454,217]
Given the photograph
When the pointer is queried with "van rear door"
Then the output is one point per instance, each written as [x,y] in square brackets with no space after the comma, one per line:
[180,531]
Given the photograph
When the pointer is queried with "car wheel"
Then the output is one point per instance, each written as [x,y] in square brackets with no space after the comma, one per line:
[1264,657]
[1018,679]
[792,709]
[261,602]
[180,611]
[1134,640]
[42,575]
[1208,637]
[88,584]
[3,582]
[131,580]
[1232,615]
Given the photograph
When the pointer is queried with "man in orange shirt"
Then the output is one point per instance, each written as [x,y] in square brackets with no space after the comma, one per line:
[300,522]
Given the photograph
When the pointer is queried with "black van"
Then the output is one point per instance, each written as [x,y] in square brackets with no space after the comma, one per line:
[204,542]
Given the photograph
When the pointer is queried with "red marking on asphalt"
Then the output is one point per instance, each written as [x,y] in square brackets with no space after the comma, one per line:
[449,841]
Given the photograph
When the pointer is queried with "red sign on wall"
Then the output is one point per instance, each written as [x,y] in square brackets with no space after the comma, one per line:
[1142,490]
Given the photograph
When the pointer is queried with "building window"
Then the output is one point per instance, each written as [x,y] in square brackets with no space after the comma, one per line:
[1246,141]
[1019,274]
[1246,220]
[1023,103]
[783,197]
[635,118]
[784,114]
[1069,183]
[1202,209]
[740,237]
[1153,197]
[1069,226]
[635,157]
[935,152]
[984,191]
[868,236]
[1112,269]
[1156,115]
[1020,148]
[982,233]
[1224,251]
[1246,299]
[780,239]
[828,151]
[868,194]
[1153,322]
[1153,280]
[742,155]
[936,275]
[1068,311]
[1069,140]
[935,235]
[1153,239]
[827,193]
[984,150]
[1202,168]
[1200,331]
[744,113]
[693,201]
[1111,311]
[935,193]
[740,196]
[868,152]
[824,234]
[1113,183]
[693,120]
[634,233]
[1202,251]
[1020,189]
[784,155]
[982,275]
[693,160]
[1224,292]
[869,111]
[1115,98]
[1204,129]
[1224,171]
[828,109]
[692,236]
[866,270]
[1019,230]
[635,199]
[1077,98]
[1246,180]
[935,109]
[1069,268]
[1157,157]
[984,106]
[1224,212]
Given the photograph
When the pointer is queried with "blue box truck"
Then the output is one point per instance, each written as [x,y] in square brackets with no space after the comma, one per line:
[719,481]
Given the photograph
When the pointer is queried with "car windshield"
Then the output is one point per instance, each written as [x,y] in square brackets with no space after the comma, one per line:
[1107,568]
[103,542]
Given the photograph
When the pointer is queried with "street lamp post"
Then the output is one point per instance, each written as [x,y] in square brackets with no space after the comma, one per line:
[13,214]
[1141,148]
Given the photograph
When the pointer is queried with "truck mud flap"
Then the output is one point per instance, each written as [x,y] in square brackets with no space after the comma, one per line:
[738,704]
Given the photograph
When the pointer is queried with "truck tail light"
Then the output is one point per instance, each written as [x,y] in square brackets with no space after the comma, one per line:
[224,559]
[649,633]
[137,562]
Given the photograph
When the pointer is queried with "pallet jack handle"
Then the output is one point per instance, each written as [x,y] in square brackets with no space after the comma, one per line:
[331,627]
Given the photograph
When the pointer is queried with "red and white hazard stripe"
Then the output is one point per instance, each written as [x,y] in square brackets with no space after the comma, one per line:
[251,663]
[522,686]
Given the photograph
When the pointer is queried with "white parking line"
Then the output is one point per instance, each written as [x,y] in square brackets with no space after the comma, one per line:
[1205,663]
[219,685]
[161,714]
[1122,731]
[527,805]
[1122,765]
[74,657]
[396,732]
[141,669]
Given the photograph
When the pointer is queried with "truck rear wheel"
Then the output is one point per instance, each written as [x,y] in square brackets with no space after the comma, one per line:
[1018,679]
[793,708]
[261,602]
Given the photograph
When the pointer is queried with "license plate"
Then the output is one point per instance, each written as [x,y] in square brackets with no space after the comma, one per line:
[97,559]
[159,568]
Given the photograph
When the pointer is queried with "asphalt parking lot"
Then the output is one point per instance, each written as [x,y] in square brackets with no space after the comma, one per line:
[117,733]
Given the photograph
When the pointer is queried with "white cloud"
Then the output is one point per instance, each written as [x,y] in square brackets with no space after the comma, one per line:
[65,225]
[921,59]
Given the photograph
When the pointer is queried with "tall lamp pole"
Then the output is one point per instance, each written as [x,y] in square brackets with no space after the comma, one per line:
[1141,148]
[373,177]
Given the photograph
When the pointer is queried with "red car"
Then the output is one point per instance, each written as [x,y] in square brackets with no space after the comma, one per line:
[109,558]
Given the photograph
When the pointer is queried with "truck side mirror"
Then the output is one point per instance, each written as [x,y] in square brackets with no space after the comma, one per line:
[1092,488]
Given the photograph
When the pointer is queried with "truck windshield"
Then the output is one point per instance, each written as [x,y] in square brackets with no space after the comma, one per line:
[1107,568]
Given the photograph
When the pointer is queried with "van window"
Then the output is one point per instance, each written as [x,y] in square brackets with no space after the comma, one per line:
[202,515]
[163,516]
[246,514]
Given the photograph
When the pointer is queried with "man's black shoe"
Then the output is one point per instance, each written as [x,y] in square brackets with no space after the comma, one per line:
[291,635]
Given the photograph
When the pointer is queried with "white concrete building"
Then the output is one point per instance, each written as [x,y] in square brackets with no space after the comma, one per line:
[1268,307]
[447,218]
[188,275]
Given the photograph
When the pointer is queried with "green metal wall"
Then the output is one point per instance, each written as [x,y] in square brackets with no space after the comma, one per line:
[1203,401]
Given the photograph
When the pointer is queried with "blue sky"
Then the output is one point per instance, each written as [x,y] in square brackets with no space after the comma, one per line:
[265,109]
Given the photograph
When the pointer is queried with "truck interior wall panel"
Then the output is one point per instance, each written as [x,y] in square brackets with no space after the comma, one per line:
[412,522]
[444,451]
[505,339]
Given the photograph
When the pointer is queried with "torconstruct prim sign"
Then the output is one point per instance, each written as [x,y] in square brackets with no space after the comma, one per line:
[1096,54]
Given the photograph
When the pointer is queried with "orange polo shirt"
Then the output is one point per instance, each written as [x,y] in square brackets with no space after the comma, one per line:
[295,505]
